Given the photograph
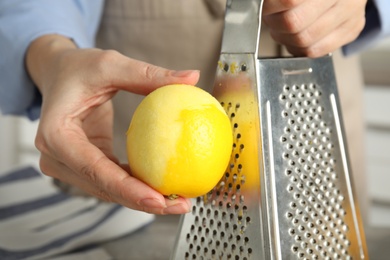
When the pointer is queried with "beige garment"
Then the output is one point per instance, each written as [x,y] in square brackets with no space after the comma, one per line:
[170,33]
[186,35]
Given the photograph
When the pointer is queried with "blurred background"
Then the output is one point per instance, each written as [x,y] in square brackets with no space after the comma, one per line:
[17,145]
[376,69]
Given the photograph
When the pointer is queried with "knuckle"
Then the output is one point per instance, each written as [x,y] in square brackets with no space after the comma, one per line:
[313,52]
[354,29]
[108,55]
[149,71]
[103,196]
[44,167]
[303,39]
[360,26]
[89,172]
[40,143]
[47,137]
[105,60]
[291,21]
[42,139]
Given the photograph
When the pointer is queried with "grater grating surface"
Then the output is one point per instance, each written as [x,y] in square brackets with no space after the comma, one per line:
[224,224]
[308,185]
[287,192]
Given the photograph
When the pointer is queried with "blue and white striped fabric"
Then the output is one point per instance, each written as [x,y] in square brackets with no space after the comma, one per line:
[38,221]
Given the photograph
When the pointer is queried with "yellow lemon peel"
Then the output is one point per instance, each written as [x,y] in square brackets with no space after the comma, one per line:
[179,141]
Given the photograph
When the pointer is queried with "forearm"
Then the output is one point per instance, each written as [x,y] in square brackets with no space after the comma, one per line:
[21,23]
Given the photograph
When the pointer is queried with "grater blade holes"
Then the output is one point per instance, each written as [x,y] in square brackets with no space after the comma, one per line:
[312,187]
[220,217]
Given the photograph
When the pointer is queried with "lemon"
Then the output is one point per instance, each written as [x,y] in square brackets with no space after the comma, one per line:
[179,141]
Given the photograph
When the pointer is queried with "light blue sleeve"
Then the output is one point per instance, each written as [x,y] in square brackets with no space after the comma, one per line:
[22,21]
[377,27]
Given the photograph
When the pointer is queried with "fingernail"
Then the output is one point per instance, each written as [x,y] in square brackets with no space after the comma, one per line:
[176,209]
[152,203]
[182,73]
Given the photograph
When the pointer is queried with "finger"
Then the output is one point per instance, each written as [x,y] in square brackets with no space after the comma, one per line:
[140,77]
[299,18]
[88,168]
[151,204]
[150,199]
[346,33]
[92,165]
[177,206]
[60,171]
[276,6]
[323,26]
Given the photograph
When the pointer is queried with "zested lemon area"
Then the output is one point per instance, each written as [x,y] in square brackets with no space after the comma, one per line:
[179,141]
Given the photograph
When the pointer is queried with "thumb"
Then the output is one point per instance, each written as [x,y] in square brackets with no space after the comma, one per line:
[142,78]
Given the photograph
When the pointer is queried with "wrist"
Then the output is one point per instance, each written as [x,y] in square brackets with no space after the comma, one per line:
[43,55]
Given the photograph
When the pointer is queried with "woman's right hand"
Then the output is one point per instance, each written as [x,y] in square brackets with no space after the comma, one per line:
[314,28]
[75,130]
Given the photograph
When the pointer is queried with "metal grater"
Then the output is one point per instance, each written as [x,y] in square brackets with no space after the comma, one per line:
[287,192]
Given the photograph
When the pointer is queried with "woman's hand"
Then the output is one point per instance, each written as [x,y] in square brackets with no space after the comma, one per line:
[314,27]
[75,131]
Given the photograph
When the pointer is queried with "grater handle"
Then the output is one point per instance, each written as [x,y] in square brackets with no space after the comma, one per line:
[242,26]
